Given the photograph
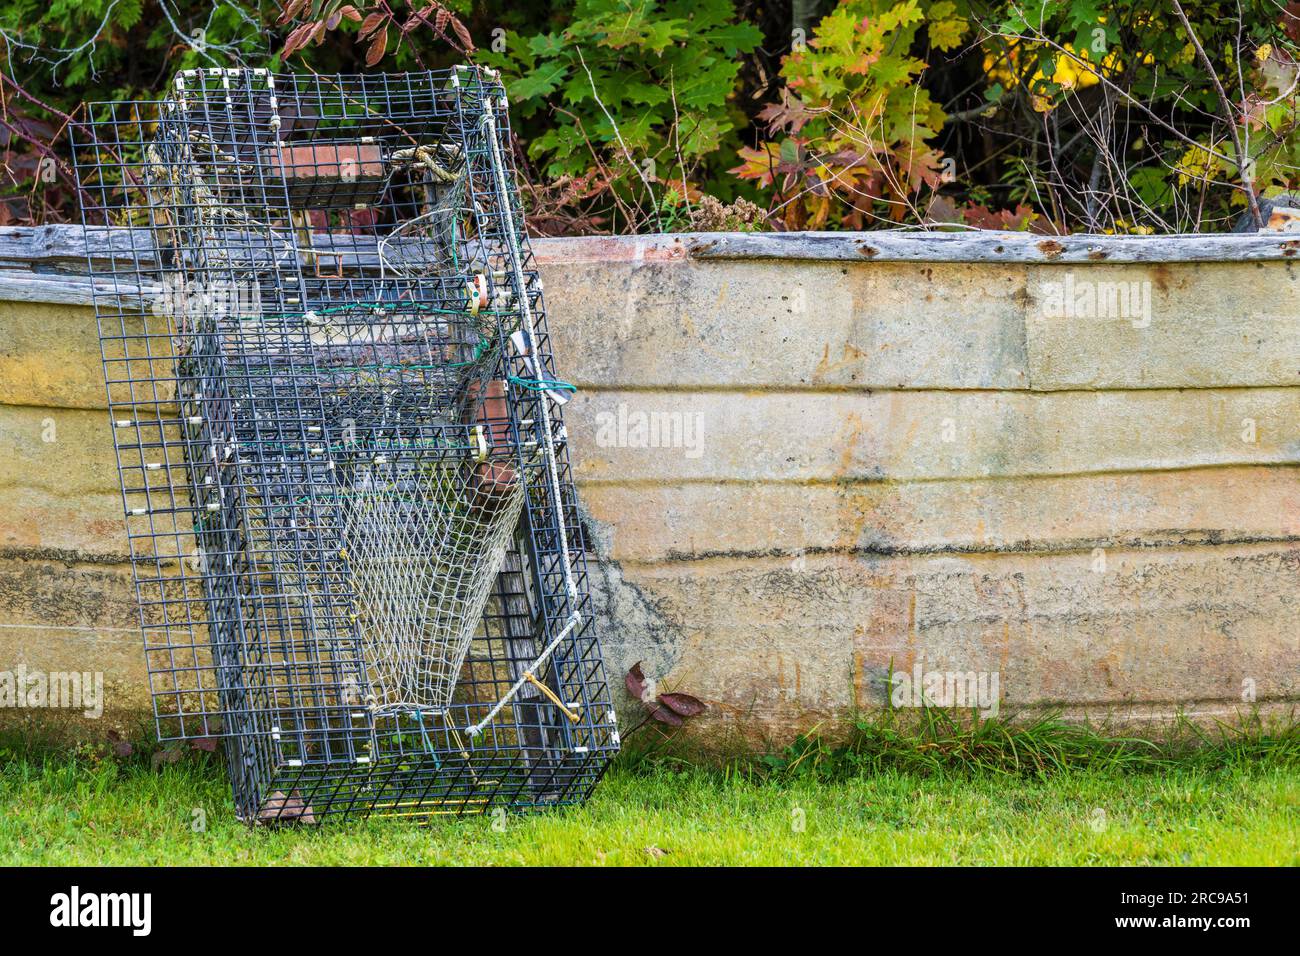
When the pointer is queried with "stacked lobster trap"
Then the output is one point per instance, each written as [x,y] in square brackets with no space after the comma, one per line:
[349,505]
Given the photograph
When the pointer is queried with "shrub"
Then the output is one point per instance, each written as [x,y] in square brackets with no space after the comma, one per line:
[852,137]
[641,89]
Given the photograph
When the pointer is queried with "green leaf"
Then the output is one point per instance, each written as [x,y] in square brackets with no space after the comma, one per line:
[543,81]
[1084,14]
[736,38]
[1151,184]
[127,13]
[546,44]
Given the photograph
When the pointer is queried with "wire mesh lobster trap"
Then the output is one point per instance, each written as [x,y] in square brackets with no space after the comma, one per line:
[349,506]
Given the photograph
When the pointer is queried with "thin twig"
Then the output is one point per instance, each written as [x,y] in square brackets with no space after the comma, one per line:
[1242,159]
[654,207]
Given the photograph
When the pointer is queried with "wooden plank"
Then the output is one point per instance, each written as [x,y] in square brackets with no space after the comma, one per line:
[61,289]
[989,246]
[69,245]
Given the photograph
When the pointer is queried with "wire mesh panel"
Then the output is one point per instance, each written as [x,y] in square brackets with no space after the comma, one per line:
[344,471]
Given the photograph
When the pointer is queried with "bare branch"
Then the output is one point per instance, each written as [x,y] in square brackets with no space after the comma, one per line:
[1228,117]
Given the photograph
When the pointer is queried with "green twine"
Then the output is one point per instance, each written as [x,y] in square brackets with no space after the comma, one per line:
[428,745]
[542,385]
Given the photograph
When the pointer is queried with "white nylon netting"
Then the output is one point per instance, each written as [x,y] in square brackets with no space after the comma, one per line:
[425,540]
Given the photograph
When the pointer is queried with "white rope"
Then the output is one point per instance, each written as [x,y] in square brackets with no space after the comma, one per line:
[548,446]
[574,619]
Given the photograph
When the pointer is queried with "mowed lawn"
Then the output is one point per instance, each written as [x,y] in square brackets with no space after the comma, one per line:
[63,809]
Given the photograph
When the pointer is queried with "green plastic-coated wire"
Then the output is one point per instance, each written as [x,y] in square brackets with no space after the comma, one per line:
[542,385]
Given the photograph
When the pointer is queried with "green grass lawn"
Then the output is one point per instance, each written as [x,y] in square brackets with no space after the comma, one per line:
[57,808]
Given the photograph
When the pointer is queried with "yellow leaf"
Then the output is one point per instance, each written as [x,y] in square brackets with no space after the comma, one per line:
[947,34]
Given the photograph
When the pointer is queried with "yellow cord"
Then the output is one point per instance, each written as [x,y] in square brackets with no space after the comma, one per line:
[528,675]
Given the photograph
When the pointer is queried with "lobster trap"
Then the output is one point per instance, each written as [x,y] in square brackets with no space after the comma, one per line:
[349,505]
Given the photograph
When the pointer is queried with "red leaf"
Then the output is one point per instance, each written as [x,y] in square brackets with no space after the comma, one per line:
[635,681]
[683,705]
[291,9]
[377,48]
[790,115]
[370,24]
[1291,21]
[665,716]
[757,164]
[981,217]
[351,12]
[297,37]
[461,32]
[334,19]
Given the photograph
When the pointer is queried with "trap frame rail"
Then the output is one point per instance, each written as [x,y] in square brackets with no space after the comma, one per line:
[349,506]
